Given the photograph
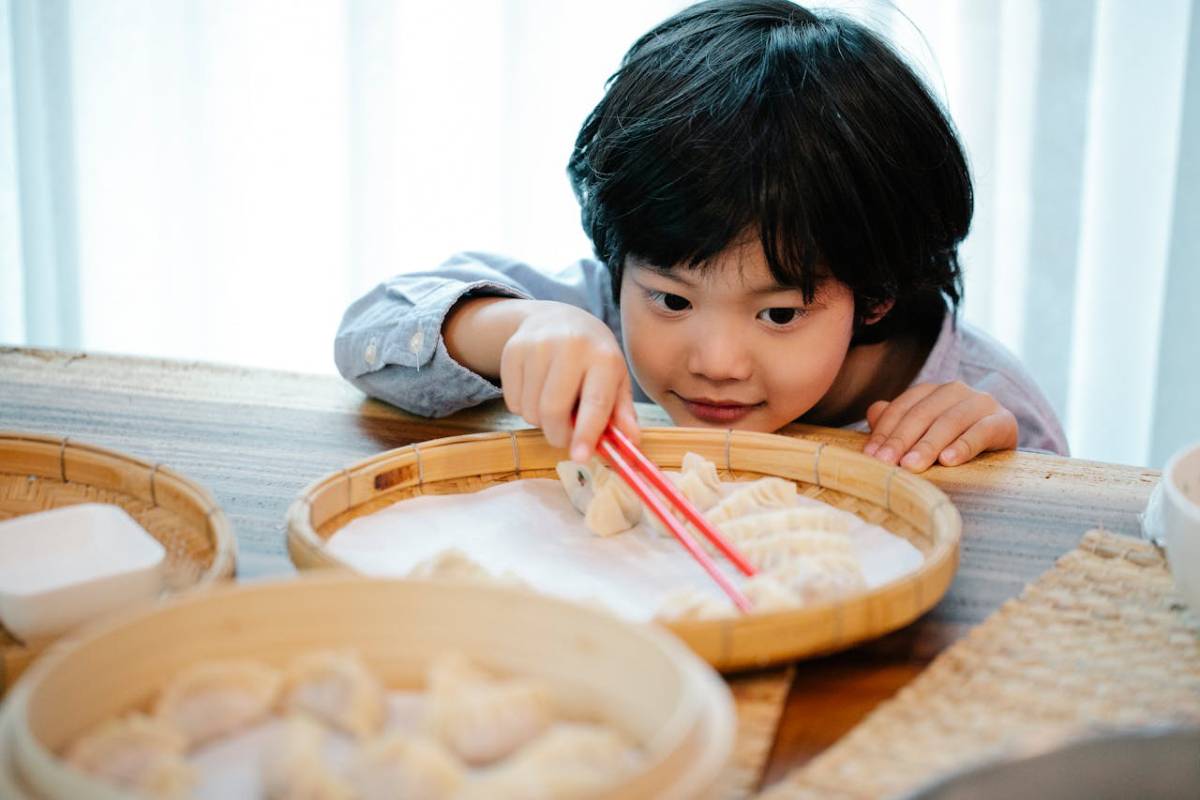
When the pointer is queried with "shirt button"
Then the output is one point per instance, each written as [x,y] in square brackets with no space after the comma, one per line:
[372,352]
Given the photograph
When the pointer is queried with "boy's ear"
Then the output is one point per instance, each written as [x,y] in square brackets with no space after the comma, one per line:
[878,312]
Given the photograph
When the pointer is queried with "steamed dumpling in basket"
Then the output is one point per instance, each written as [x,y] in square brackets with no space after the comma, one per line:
[335,687]
[143,754]
[294,764]
[609,506]
[803,554]
[482,718]
[213,698]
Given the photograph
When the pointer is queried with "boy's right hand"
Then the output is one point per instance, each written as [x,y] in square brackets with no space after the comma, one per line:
[561,358]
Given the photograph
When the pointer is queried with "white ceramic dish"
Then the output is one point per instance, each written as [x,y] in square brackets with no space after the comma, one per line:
[1181,522]
[1158,763]
[62,567]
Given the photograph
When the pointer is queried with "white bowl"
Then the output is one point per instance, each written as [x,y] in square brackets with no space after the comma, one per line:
[62,567]
[1181,522]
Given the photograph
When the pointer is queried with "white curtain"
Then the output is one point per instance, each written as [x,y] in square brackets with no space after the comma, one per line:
[217,179]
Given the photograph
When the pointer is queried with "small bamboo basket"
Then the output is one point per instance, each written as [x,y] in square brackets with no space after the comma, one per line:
[38,473]
[884,495]
[674,707]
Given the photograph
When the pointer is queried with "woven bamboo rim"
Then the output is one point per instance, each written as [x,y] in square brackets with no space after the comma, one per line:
[882,494]
[38,473]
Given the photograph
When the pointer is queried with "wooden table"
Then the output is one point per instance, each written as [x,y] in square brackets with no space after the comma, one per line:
[256,437]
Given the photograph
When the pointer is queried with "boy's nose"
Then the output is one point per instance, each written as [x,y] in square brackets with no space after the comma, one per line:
[720,355]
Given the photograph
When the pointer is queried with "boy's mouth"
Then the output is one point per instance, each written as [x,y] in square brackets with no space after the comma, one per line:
[717,411]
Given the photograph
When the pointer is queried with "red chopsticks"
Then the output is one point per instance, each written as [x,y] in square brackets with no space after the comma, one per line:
[635,469]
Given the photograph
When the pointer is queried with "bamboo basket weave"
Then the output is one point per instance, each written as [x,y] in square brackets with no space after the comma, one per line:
[678,710]
[884,495]
[38,473]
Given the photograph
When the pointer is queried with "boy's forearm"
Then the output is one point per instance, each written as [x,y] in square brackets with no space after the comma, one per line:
[476,330]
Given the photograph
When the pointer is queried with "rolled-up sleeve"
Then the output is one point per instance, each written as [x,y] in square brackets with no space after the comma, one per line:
[390,346]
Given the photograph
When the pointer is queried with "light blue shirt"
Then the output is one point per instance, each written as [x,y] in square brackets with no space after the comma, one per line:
[390,342]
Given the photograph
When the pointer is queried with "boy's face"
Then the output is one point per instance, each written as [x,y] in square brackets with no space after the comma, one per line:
[729,348]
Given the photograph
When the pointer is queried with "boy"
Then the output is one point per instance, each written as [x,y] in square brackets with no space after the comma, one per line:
[775,201]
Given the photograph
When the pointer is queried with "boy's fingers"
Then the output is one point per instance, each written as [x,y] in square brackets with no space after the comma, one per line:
[626,416]
[874,412]
[944,429]
[533,388]
[918,420]
[511,371]
[996,431]
[883,444]
[559,393]
[596,402]
[971,443]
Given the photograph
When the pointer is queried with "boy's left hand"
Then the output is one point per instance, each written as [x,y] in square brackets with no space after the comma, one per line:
[950,423]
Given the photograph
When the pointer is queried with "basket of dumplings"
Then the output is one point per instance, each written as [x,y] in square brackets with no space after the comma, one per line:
[341,686]
[845,547]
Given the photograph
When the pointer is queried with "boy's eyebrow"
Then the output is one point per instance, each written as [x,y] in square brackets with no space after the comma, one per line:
[665,272]
[673,275]
[773,288]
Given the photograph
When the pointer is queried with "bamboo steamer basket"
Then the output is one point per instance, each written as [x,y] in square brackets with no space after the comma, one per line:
[633,676]
[885,495]
[38,473]
[10,789]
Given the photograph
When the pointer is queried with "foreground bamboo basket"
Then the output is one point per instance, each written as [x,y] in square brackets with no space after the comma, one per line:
[881,494]
[38,473]
[631,676]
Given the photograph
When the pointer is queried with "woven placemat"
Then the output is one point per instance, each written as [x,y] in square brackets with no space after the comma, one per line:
[1100,640]
[759,698]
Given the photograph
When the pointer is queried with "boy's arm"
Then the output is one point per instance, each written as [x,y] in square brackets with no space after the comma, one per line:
[390,342]
[477,328]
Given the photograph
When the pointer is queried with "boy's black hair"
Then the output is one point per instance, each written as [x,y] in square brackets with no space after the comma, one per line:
[736,115]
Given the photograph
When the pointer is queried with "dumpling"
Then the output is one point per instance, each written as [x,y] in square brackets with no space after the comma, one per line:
[139,753]
[704,470]
[691,603]
[294,765]
[573,760]
[768,593]
[788,519]
[337,688]
[610,512]
[398,767]
[479,717]
[694,490]
[757,496]
[213,698]
[773,550]
[579,482]
[655,524]
[698,481]
[608,505]
[821,577]
[452,564]
[619,502]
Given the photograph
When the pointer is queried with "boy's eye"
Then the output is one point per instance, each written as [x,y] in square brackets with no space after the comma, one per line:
[675,302]
[780,315]
[671,302]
